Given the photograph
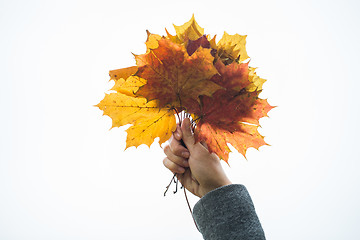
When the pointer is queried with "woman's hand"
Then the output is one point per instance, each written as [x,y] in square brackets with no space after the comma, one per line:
[197,169]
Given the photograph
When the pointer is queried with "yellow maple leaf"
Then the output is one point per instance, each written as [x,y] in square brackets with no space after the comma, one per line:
[149,121]
[172,38]
[232,47]
[152,41]
[125,82]
[188,31]
[128,86]
[122,73]
[256,82]
[157,124]
[212,42]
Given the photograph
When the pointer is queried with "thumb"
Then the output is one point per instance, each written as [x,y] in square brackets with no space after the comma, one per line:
[188,136]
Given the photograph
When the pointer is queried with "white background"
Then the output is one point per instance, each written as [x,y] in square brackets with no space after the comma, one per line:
[63,175]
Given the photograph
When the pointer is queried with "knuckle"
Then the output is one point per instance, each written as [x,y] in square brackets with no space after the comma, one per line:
[173,165]
[167,149]
[178,160]
[178,150]
[171,139]
[165,162]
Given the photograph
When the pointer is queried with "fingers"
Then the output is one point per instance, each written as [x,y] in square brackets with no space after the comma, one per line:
[172,166]
[177,148]
[176,158]
[177,155]
[178,134]
[188,136]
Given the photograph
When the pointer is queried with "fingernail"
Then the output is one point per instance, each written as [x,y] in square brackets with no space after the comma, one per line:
[181,170]
[177,135]
[185,154]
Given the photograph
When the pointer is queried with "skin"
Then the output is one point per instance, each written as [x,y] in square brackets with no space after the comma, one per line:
[197,169]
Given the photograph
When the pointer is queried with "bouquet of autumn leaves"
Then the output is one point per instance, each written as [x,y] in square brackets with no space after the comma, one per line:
[189,72]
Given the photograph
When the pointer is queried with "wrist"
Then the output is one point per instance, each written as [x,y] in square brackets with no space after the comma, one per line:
[213,187]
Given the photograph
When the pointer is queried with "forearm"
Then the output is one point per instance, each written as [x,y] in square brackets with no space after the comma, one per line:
[228,213]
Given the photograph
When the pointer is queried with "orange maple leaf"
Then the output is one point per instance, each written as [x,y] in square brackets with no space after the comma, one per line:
[232,114]
[230,117]
[234,76]
[216,138]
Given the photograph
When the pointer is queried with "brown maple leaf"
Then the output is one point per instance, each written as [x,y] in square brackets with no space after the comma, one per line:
[173,77]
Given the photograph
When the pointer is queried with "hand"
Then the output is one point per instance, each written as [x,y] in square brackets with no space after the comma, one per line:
[197,169]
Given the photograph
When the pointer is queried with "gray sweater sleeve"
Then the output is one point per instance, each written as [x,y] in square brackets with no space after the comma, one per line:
[227,213]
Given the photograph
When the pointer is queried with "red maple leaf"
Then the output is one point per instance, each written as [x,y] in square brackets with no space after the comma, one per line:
[192,46]
[230,115]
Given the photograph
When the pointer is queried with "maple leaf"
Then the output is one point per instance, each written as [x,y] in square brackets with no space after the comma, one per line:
[192,46]
[173,77]
[125,82]
[232,48]
[213,43]
[123,73]
[216,138]
[233,76]
[230,117]
[189,30]
[149,121]
[128,86]
[189,71]
[152,41]
[256,81]
[174,39]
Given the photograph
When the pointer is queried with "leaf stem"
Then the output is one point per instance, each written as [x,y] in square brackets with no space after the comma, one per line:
[182,115]
[187,201]
[167,187]
[176,181]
